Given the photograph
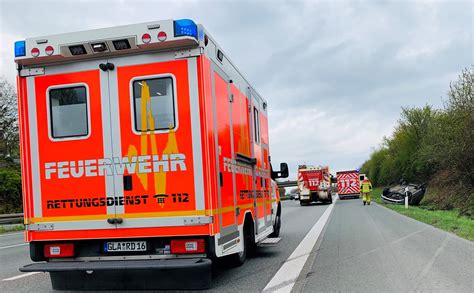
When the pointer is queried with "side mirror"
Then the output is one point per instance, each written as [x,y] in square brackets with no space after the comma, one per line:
[283,170]
[283,173]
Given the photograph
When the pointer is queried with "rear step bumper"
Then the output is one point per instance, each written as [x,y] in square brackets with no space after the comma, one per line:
[193,273]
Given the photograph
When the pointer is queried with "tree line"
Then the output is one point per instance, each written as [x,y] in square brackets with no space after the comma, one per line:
[433,146]
[10,176]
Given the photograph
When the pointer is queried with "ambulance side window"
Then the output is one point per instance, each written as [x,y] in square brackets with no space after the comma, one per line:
[256,125]
[161,106]
[68,110]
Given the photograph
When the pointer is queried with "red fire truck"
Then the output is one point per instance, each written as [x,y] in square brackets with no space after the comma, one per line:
[348,183]
[145,155]
[314,184]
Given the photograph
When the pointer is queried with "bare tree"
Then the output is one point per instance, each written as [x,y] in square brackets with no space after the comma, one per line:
[9,138]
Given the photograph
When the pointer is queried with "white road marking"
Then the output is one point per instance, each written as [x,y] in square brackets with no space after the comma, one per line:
[429,265]
[15,245]
[287,275]
[21,276]
[10,234]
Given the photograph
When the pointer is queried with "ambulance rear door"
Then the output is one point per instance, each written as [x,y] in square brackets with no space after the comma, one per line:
[156,143]
[70,148]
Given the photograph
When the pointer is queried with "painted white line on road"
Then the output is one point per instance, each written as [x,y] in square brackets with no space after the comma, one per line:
[287,275]
[10,234]
[21,276]
[15,245]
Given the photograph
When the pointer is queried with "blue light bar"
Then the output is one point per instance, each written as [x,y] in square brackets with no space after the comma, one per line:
[20,48]
[185,27]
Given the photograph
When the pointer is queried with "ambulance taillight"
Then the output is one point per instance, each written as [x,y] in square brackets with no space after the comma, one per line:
[180,246]
[59,250]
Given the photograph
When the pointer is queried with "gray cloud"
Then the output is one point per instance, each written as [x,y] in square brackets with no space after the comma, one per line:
[335,73]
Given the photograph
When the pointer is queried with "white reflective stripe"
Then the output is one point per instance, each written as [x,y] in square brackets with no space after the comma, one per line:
[115,133]
[34,152]
[74,225]
[129,223]
[165,222]
[196,133]
[106,135]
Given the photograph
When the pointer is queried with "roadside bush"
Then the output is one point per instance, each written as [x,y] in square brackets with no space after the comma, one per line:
[435,147]
[10,191]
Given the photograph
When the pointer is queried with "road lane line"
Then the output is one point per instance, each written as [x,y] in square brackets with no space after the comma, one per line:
[10,234]
[429,265]
[287,275]
[11,246]
[21,276]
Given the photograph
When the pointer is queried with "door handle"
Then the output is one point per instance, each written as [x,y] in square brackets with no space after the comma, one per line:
[221,179]
[106,66]
[127,182]
[113,221]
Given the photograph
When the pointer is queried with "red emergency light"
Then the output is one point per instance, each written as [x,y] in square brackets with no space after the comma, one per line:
[49,50]
[146,38]
[35,52]
[162,36]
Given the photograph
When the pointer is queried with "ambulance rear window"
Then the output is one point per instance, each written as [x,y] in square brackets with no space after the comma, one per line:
[68,110]
[161,104]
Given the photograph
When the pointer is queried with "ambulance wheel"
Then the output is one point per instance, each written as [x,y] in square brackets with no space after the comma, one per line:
[250,247]
[276,225]
[238,259]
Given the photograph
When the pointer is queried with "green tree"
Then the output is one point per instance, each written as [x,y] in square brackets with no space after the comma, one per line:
[435,146]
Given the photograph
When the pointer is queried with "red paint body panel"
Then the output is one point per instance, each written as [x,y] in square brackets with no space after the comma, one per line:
[312,179]
[348,182]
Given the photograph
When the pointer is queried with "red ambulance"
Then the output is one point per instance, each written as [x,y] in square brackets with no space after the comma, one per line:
[348,183]
[145,155]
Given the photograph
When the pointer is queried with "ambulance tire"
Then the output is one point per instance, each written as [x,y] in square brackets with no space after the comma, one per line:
[238,259]
[277,224]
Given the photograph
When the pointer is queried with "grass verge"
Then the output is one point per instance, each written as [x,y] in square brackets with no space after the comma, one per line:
[448,220]
[18,227]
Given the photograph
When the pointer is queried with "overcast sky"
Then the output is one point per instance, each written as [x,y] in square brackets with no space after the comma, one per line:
[335,73]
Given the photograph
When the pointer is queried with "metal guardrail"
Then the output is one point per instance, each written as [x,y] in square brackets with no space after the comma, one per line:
[11,218]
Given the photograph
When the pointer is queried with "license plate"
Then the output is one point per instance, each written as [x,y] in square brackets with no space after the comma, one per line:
[125,246]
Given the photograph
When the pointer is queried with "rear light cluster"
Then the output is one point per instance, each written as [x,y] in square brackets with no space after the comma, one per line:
[181,246]
[59,250]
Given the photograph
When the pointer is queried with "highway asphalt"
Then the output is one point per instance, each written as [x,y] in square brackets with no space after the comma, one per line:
[361,249]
